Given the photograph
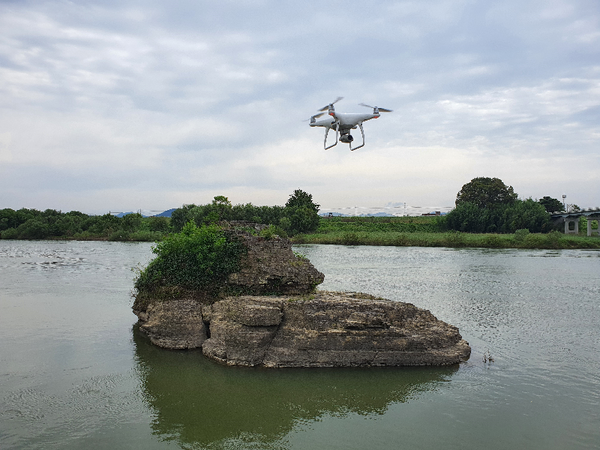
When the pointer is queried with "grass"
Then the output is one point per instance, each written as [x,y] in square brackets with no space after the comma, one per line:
[425,232]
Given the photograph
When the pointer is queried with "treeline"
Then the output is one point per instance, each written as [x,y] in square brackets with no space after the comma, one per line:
[487,205]
[51,224]
[299,215]
[484,205]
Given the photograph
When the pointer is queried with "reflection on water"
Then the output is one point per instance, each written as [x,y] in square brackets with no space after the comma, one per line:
[197,401]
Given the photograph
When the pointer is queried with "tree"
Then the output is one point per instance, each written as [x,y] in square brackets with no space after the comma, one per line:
[302,212]
[301,220]
[301,199]
[223,207]
[180,217]
[8,219]
[507,218]
[551,204]
[33,229]
[131,222]
[486,193]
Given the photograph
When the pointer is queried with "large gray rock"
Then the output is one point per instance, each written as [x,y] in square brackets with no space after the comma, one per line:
[271,267]
[329,329]
[175,324]
[326,329]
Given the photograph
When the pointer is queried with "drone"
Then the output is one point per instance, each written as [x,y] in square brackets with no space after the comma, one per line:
[343,123]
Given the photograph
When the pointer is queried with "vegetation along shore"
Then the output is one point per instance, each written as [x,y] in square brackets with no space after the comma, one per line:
[488,214]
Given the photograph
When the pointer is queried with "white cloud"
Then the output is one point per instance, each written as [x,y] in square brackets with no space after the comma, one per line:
[129,105]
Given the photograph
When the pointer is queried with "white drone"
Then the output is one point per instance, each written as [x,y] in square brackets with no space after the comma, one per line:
[343,123]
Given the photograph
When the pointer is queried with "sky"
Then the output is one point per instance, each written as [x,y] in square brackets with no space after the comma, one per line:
[148,105]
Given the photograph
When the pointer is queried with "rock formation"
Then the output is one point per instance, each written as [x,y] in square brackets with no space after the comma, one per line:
[296,326]
[328,329]
[271,267]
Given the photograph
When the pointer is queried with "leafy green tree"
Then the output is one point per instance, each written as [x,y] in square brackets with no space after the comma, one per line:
[525,214]
[302,212]
[486,193]
[302,220]
[520,214]
[9,233]
[223,207]
[160,224]
[180,217]
[8,219]
[67,225]
[467,217]
[103,225]
[301,199]
[551,204]
[33,229]
[131,222]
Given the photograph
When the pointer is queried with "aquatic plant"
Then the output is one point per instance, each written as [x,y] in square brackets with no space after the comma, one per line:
[487,357]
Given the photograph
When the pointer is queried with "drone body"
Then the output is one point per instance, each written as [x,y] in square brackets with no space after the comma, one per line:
[343,123]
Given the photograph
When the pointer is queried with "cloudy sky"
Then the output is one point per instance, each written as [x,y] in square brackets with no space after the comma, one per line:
[147,105]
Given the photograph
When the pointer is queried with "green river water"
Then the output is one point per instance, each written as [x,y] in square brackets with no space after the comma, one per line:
[76,374]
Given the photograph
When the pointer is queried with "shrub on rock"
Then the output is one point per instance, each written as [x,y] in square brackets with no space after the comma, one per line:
[197,259]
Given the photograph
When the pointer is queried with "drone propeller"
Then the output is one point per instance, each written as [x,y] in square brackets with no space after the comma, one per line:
[313,118]
[325,108]
[375,108]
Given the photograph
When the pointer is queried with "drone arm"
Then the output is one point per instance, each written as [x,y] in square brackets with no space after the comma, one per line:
[362,132]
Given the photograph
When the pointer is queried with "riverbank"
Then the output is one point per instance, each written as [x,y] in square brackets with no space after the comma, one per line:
[552,240]
[452,239]
[420,231]
[427,231]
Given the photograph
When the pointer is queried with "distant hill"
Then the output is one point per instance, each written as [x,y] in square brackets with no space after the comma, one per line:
[166,213]
[123,214]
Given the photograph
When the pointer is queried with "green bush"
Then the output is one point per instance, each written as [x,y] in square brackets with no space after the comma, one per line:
[10,233]
[521,235]
[454,239]
[351,239]
[553,238]
[400,240]
[272,231]
[198,258]
[493,241]
[33,229]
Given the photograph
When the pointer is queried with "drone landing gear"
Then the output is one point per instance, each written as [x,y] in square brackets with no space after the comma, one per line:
[346,138]
[362,132]
[337,132]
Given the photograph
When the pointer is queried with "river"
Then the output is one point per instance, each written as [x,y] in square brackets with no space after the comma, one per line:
[75,373]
